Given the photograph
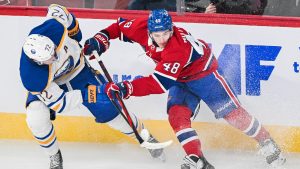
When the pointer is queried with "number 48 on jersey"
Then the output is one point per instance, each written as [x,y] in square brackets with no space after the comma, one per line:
[171,67]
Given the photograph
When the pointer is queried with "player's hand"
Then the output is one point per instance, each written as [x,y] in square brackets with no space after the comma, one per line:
[124,89]
[99,43]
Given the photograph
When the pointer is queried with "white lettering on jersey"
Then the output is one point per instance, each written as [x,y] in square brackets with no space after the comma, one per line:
[171,67]
[196,46]
[128,24]
[182,34]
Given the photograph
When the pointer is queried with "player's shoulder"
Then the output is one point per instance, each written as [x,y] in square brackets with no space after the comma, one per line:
[179,35]
[51,28]
[177,42]
[177,47]
[35,78]
[133,23]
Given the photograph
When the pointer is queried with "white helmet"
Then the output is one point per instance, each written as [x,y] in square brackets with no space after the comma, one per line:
[38,47]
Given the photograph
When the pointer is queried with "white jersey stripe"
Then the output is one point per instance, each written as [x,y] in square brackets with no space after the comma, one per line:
[184,131]
[189,61]
[189,140]
[161,86]
[166,76]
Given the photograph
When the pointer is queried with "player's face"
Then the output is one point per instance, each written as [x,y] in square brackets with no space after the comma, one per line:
[161,37]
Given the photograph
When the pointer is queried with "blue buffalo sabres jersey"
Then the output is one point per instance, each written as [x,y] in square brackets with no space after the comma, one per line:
[42,81]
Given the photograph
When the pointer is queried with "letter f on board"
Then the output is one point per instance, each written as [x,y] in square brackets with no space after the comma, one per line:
[256,72]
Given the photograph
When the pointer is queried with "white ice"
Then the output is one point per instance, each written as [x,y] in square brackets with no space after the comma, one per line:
[28,155]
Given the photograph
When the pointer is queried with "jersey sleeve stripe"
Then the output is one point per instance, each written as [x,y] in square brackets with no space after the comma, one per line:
[190,58]
[166,76]
[74,30]
[122,36]
[121,20]
[63,106]
[125,39]
[58,100]
[55,108]
[161,85]
[62,39]
[163,81]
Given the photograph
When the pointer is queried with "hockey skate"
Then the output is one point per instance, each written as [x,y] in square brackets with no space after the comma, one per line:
[270,150]
[56,161]
[194,162]
[156,153]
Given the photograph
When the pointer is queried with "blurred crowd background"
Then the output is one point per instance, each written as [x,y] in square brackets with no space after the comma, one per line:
[252,7]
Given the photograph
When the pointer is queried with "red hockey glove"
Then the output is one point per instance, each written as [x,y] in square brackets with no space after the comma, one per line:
[124,89]
[99,43]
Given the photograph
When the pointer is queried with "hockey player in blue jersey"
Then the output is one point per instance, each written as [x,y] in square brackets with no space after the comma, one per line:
[58,80]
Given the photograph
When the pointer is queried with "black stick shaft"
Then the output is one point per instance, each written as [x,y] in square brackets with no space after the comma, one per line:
[120,100]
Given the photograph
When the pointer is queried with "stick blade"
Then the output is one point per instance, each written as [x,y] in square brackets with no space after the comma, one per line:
[149,145]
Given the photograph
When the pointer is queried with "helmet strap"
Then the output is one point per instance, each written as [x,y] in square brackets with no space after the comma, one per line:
[153,41]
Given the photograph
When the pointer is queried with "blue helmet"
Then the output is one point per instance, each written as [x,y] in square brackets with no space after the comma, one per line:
[159,20]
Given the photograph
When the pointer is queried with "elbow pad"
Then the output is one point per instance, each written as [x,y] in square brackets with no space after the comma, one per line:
[61,14]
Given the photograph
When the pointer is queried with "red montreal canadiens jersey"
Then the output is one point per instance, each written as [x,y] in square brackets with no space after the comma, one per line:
[183,59]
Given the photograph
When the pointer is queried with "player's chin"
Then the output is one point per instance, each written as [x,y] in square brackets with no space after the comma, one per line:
[162,45]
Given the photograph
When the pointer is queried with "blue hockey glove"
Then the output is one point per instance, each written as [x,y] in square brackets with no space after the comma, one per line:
[99,43]
[124,89]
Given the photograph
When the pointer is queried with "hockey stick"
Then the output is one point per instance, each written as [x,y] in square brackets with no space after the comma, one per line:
[124,112]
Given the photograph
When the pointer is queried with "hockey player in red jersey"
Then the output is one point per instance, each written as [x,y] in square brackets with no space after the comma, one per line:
[188,69]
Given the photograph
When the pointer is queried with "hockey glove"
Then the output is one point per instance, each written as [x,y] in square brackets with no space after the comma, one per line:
[99,43]
[124,89]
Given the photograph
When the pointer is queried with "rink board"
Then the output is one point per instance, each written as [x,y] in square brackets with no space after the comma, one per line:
[258,55]
[84,129]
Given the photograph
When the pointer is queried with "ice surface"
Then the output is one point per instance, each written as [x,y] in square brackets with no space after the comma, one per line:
[28,155]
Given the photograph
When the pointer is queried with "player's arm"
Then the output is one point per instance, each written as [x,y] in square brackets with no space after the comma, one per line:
[62,15]
[38,80]
[163,78]
[100,41]
[123,29]
[153,84]
[58,100]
